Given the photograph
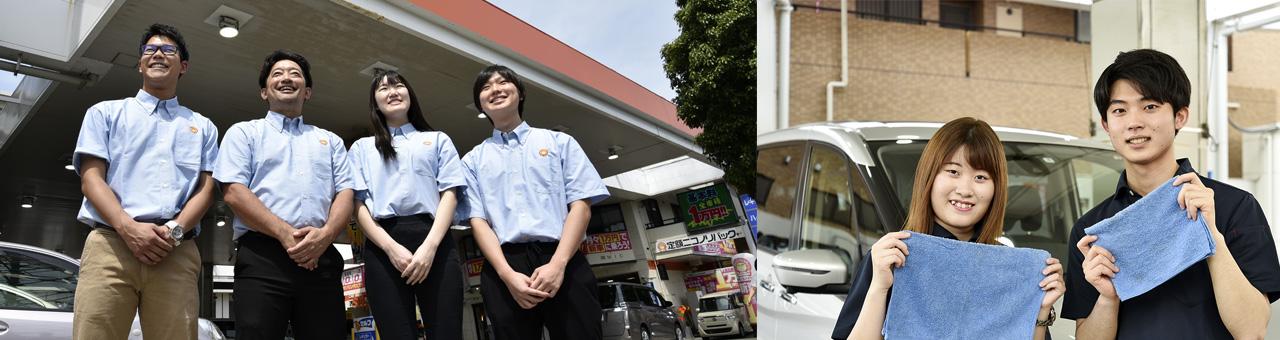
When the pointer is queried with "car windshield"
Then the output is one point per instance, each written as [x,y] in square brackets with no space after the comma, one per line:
[715,304]
[1050,186]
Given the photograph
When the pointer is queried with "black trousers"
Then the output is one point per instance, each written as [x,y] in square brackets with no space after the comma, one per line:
[272,292]
[438,297]
[573,314]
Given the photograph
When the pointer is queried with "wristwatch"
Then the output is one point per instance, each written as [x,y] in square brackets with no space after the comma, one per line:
[175,231]
[1049,321]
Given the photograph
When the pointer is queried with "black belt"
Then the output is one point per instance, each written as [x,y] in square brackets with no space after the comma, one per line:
[535,247]
[391,221]
[187,235]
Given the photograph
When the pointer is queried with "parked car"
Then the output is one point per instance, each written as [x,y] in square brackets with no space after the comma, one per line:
[37,292]
[635,311]
[827,191]
[722,314]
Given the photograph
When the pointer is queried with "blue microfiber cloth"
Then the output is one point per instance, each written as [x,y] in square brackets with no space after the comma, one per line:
[950,289]
[1152,241]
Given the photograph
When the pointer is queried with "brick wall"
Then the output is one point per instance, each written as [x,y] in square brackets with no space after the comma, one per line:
[918,73]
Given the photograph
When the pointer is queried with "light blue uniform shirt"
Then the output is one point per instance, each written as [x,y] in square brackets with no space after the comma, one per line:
[521,182]
[294,168]
[426,164]
[155,150]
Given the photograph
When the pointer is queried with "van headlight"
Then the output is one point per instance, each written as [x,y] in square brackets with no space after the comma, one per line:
[732,316]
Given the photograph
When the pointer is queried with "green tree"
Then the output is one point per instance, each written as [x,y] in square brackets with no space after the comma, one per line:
[712,67]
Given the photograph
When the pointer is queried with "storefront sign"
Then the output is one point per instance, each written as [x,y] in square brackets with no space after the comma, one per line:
[608,248]
[749,208]
[707,208]
[682,242]
[353,292]
[474,266]
[711,281]
[364,329]
[607,242]
[353,278]
[744,266]
[722,248]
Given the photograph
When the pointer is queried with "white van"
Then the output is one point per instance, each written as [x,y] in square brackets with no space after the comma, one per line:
[827,191]
[722,314]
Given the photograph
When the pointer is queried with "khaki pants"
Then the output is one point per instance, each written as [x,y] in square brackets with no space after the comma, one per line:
[113,286]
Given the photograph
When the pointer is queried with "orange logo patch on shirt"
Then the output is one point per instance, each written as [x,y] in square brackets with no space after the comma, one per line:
[194,129]
[542,152]
[426,142]
[324,142]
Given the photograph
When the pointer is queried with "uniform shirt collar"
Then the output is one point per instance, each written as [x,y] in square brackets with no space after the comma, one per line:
[152,104]
[519,134]
[403,130]
[1123,189]
[280,122]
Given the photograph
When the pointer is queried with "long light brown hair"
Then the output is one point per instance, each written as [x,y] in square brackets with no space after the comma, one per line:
[984,151]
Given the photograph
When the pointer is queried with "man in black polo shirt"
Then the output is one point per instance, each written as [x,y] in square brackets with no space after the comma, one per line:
[1143,98]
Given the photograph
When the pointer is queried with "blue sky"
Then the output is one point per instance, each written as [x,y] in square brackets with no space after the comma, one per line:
[625,35]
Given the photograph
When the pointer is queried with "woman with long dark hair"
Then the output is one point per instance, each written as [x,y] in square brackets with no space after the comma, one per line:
[407,176]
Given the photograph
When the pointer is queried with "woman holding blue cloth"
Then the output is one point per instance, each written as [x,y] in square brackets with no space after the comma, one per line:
[407,177]
[959,193]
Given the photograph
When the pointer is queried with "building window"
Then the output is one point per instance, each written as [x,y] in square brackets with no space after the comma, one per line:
[606,219]
[904,11]
[959,14]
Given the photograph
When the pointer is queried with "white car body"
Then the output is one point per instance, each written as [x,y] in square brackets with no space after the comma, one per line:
[803,309]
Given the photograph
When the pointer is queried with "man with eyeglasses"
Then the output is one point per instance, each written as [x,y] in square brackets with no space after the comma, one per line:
[145,165]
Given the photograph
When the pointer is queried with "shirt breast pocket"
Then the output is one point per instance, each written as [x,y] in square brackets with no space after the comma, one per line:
[424,160]
[321,163]
[548,182]
[188,147]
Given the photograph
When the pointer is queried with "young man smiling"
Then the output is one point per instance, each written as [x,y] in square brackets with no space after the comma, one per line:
[1143,98]
[291,189]
[529,194]
[144,165]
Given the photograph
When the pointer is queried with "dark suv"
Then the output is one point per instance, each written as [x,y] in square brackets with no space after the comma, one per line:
[635,311]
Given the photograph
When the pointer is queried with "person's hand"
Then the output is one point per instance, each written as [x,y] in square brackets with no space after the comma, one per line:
[312,242]
[419,265]
[1099,266]
[522,292]
[148,242]
[548,278]
[888,253]
[1052,284]
[1196,198]
[399,256]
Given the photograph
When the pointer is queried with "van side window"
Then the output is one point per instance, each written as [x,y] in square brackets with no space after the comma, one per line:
[653,300]
[608,296]
[828,203]
[777,187]
[632,295]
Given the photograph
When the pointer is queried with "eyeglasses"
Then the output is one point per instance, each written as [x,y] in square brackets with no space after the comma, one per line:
[168,50]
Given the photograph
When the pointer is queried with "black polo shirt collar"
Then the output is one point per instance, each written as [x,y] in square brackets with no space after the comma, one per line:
[940,231]
[1124,192]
